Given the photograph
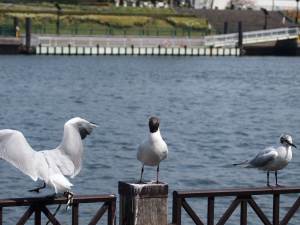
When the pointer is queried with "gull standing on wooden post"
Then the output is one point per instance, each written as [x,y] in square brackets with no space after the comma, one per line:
[48,165]
[273,158]
[153,149]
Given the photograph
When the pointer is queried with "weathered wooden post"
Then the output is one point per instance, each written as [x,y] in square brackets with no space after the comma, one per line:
[145,204]
[28,32]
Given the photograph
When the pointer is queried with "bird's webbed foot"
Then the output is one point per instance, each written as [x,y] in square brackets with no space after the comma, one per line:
[37,189]
[140,182]
[157,182]
[272,187]
[277,185]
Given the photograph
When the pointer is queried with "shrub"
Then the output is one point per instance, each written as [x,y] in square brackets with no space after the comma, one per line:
[188,22]
[113,21]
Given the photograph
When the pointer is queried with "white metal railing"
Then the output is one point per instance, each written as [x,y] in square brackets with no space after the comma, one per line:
[117,42]
[252,37]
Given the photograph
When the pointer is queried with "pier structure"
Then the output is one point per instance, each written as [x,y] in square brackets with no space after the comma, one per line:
[281,41]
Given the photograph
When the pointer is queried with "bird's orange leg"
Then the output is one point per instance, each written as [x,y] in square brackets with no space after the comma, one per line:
[141,182]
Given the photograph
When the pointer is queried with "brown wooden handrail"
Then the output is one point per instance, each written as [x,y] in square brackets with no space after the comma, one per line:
[38,205]
[243,196]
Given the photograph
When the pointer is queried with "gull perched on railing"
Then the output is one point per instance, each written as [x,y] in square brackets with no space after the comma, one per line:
[272,158]
[153,149]
[48,165]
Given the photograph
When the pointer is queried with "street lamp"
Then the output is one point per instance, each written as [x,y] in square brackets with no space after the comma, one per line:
[266,14]
[297,11]
[57,23]
[8,5]
[191,10]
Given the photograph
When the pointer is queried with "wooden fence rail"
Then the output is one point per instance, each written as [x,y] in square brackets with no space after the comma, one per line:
[243,196]
[38,205]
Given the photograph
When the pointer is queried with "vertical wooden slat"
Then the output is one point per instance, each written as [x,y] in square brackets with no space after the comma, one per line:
[276,209]
[176,213]
[244,212]
[210,210]
[114,212]
[75,216]
[37,216]
[111,219]
[1,216]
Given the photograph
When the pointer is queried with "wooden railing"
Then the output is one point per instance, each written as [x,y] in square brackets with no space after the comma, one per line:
[38,205]
[243,196]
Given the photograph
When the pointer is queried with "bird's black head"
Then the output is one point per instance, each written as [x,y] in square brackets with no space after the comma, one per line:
[153,124]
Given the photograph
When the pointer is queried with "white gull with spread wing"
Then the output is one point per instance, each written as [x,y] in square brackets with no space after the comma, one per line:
[48,165]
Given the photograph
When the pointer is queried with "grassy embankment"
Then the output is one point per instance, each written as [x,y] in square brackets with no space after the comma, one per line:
[78,19]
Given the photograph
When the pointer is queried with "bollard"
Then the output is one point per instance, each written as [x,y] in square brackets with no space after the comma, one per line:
[225,27]
[241,36]
[145,204]
[158,49]
[16,26]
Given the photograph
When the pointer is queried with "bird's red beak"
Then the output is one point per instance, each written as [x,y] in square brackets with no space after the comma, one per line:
[293,145]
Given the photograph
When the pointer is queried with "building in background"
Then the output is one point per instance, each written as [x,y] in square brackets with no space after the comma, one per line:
[210,4]
[244,4]
[276,4]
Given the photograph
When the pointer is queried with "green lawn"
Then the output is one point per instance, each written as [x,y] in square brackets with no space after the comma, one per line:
[111,8]
[44,21]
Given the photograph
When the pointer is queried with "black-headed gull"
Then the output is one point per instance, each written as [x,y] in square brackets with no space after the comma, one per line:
[48,165]
[273,158]
[153,149]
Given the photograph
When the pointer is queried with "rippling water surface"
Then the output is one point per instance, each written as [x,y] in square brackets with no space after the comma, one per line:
[213,111]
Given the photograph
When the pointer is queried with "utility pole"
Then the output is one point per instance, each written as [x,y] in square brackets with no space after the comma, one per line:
[297,12]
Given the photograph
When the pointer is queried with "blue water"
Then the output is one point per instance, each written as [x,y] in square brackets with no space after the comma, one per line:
[213,111]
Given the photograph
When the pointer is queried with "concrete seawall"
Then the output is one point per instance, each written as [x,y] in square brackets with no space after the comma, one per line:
[9,45]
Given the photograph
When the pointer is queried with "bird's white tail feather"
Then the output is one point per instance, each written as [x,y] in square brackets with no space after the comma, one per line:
[59,183]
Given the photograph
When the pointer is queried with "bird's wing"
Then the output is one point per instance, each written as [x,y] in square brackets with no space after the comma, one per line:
[15,149]
[141,151]
[69,154]
[265,157]
[57,158]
